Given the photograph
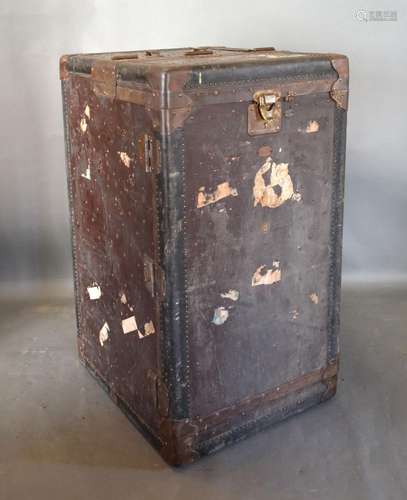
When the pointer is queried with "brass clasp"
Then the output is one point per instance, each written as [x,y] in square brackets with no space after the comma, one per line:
[265,113]
[267,104]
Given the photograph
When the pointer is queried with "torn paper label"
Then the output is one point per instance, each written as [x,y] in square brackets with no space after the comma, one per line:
[104,334]
[95,292]
[231,294]
[222,191]
[129,325]
[275,190]
[312,127]
[83,125]
[148,329]
[264,276]
[86,175]
[125,158]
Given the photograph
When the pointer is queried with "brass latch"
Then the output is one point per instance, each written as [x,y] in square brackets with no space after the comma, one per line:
[264,116]
[266,104]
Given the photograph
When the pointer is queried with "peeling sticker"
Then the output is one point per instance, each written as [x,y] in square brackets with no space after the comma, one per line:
[312,127]
[87,111]
[83,125]
[104,334]
[231,294]
[222,191]
[125,158]
[314,298]
[280,187]
[220,315]
[123,298]
[95,292]
[264,276]
[148,329]
[129,325]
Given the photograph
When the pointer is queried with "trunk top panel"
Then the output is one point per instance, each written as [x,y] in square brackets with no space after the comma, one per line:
[186,57]
[171,71]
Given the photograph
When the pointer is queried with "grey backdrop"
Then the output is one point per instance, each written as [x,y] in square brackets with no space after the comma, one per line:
[34,233]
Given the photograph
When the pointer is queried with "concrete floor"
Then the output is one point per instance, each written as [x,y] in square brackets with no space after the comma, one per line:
[62,438]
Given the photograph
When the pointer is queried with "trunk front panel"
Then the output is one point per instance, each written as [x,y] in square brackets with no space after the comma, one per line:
[257,235]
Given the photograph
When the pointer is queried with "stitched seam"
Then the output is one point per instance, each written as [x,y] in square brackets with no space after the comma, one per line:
[185,279]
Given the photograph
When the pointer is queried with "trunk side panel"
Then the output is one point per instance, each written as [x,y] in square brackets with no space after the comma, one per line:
[112,210]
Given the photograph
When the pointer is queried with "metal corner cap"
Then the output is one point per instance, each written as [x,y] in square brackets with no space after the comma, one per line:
[339,89]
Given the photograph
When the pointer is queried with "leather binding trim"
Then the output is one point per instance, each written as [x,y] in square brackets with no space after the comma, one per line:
[334,286]
[181,438]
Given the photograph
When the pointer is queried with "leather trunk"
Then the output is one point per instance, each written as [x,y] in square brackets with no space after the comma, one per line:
[206,199]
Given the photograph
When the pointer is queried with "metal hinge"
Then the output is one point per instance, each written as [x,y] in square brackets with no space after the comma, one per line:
[152,154]
[154,277]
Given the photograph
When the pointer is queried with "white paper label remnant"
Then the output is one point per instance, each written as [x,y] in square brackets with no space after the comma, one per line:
[312,127]
[220,315]
[314,298]
[95,292]
[83,125]
[148,330]
[125,158]
[86,175]
[231,294]
[104,334]
[129,325]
